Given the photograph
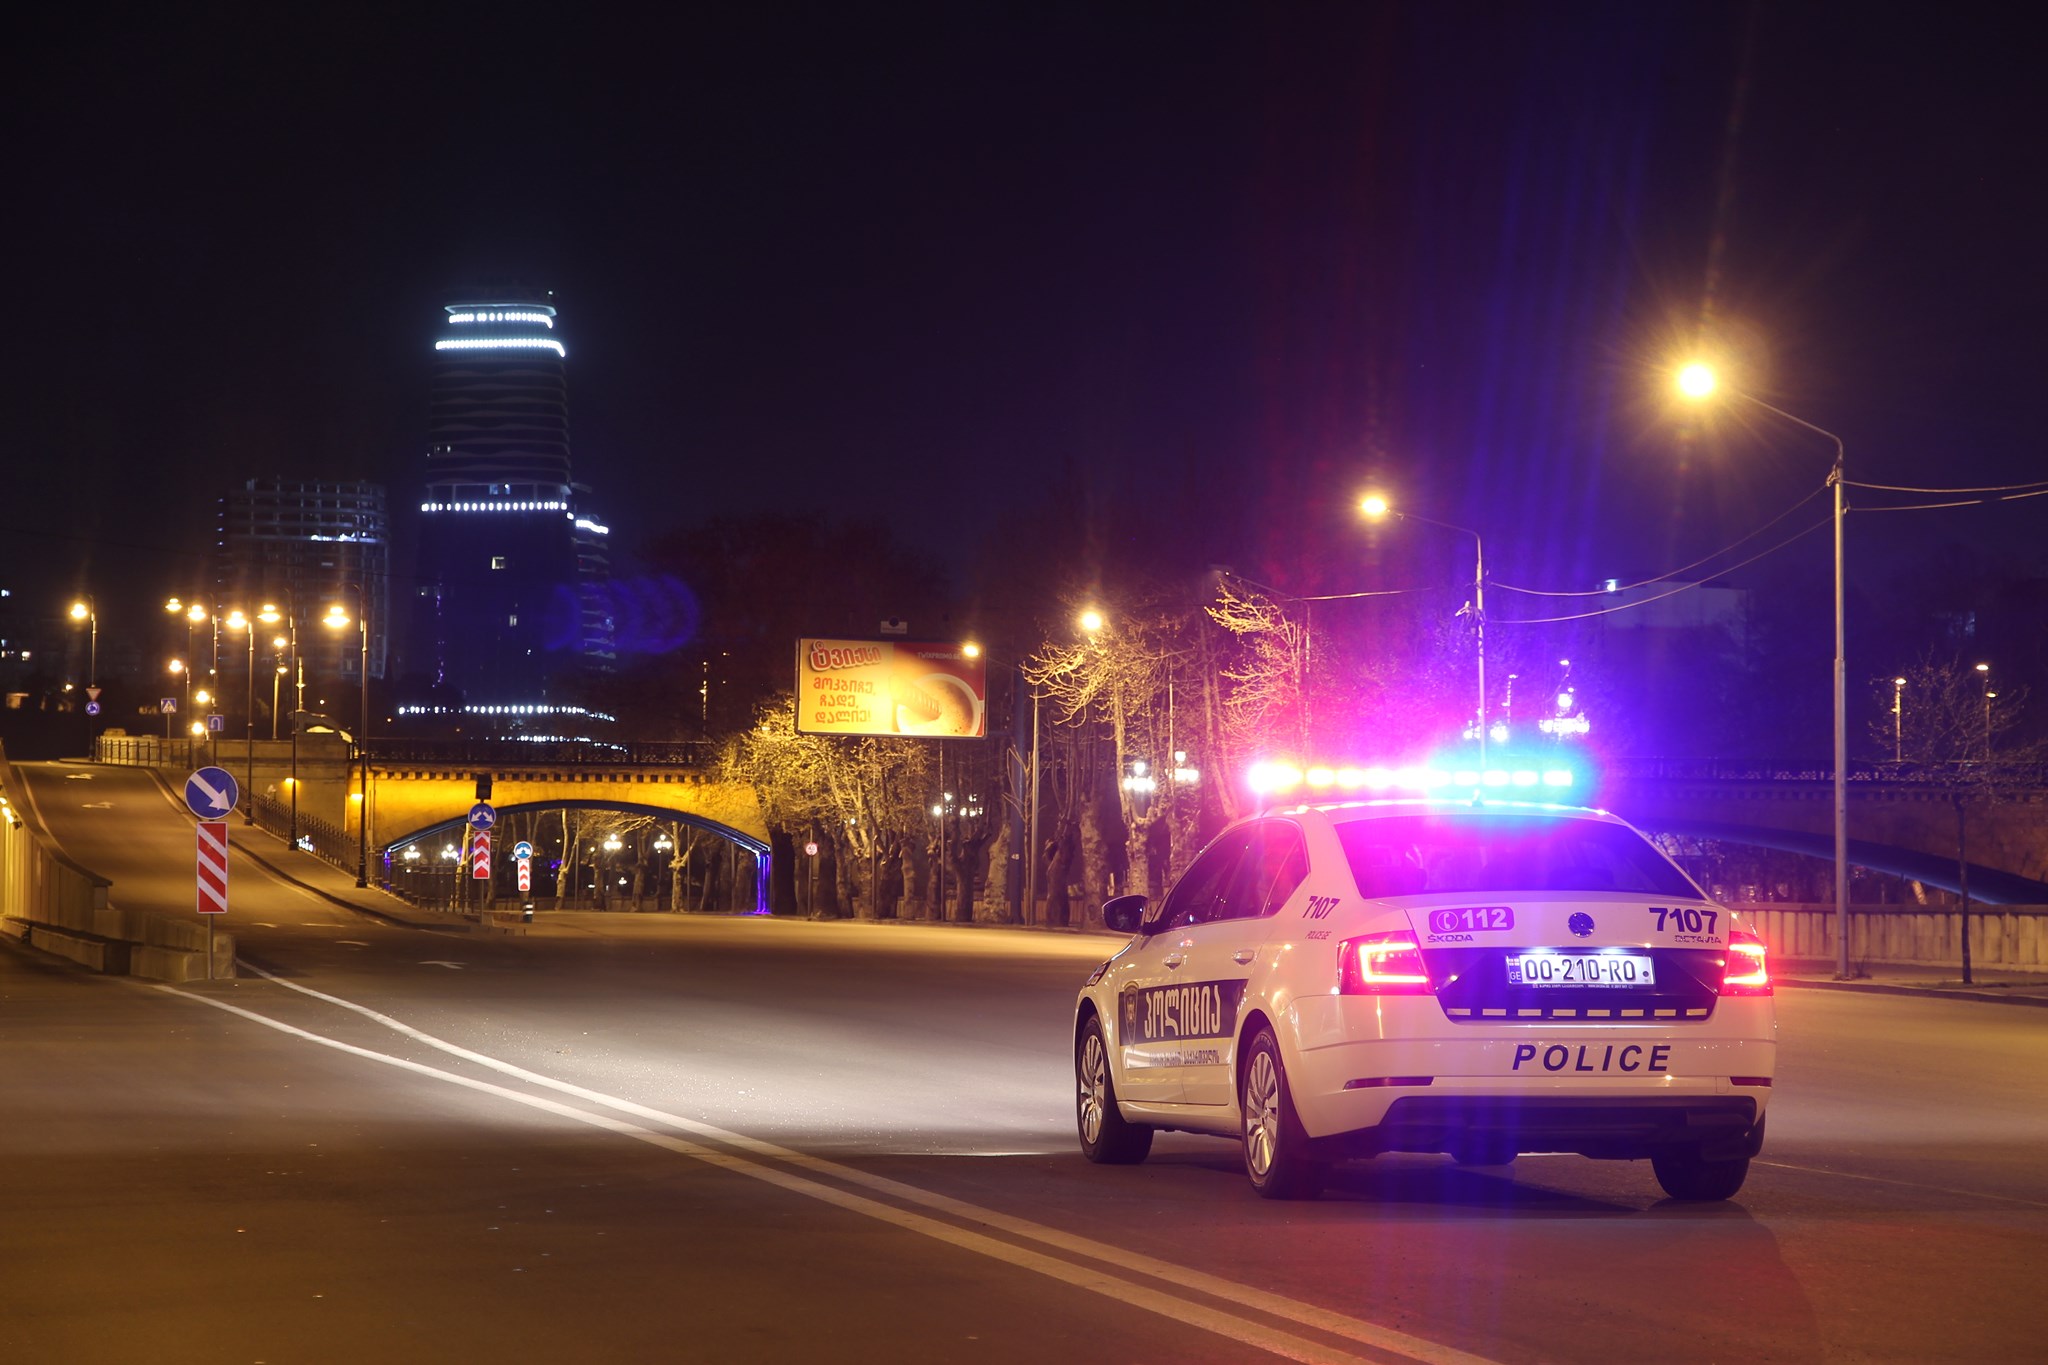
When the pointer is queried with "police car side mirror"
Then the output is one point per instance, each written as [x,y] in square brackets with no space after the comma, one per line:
[1124,914]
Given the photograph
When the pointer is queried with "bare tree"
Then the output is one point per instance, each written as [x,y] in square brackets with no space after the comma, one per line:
[1950,730]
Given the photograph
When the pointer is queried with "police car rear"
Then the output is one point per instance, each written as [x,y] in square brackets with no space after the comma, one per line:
[1478,979]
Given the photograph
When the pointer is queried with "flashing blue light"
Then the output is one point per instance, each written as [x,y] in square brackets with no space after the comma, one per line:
[1270,778]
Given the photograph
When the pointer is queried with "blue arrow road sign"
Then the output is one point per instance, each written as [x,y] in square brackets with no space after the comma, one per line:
[481,816]
[522,849]
[211,793]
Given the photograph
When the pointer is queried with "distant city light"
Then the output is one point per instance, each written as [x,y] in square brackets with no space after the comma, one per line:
[501,344]
[542,318]
[494,507]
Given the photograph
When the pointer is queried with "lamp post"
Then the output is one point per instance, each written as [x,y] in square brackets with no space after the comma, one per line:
[1984,681]
[177,669]
[1898,722]
[239,621]
[87,610]
[1374,507]
[337,619]
[199,727]
[1697,383]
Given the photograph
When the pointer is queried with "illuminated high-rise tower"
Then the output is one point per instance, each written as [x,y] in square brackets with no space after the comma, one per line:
[509,588]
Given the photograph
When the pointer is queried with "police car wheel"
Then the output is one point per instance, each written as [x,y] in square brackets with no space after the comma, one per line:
[1276,1147]
[1686,1175]
[1105,1135]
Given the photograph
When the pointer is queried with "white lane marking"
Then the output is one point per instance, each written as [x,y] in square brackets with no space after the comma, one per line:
[435,962]
[1309,1315]
[1123,1291]
[1904,1184]
[352,943]
[96,805]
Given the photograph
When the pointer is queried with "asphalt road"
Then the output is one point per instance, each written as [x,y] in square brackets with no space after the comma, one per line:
[662,1138]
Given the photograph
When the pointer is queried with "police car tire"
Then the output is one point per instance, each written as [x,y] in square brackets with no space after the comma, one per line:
[1686,1175]
[1117,1142]
[1277,1154]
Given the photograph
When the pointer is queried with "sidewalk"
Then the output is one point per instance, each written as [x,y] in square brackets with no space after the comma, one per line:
[1939,982]
[330,883]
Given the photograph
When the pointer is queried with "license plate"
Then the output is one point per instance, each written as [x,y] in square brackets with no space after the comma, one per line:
[1619,970]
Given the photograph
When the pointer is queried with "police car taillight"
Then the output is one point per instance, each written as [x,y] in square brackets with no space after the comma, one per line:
[1382,964]
[1747,973]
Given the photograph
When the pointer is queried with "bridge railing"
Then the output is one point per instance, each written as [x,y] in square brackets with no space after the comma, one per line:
[511,753]
[323,839]
[2002,937]
[1909,774]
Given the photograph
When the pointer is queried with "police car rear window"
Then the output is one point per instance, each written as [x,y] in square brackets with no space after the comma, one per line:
[1411,855]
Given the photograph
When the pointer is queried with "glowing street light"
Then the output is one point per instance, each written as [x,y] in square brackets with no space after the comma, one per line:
[338,619]
[1697,382]
[1984,680]
[1898,720]
[1091,621]
[1375,507]
[85,609]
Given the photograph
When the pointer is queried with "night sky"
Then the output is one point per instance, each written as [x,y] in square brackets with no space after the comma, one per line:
[1221,265]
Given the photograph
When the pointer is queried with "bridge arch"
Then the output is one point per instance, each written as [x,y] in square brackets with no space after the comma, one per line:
[404,848]
[758,847]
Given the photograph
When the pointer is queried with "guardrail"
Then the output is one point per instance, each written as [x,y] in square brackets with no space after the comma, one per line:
[2002,937]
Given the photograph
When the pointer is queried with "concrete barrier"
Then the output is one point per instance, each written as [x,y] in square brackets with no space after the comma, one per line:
[2006,937]
[62,908]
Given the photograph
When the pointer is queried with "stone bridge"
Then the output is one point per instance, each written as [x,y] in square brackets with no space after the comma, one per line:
[415,801]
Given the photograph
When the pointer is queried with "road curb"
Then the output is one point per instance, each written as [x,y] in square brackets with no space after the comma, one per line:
[1934,992]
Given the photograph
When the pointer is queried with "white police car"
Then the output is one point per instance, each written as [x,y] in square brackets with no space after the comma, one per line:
[1477,978]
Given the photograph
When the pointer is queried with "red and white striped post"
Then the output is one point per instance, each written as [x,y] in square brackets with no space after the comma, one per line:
[213,878]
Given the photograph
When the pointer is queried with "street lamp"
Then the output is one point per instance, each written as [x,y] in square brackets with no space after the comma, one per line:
[1984,681]
[1697,382]
[177,669]
[238,620]
[85,609]
[1376,507]
[1898,722]
[337,619]
[199,727]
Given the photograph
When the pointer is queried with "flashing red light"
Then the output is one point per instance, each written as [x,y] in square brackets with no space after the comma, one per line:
[1382,964]
[1746,973]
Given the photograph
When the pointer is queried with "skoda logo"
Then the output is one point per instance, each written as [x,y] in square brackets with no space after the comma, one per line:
[1580,924]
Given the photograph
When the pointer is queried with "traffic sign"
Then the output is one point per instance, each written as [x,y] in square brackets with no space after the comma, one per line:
[167,704]
[481,816]
[480,858]
[211,793]
[216,721]
[92,708]
[522,849]
[525,875]
[213,866]
[92,693]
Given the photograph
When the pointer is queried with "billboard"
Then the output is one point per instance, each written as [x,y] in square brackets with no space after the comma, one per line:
[890,687]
